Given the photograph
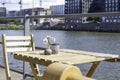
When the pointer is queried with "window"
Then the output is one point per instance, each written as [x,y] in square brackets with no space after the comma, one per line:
[114,20]
[111,21]
[107,20]
[118,20]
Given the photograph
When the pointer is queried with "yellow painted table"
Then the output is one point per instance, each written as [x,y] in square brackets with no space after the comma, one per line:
[66,56]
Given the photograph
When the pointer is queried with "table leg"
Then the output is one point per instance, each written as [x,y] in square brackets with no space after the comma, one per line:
[92,69]
[35,71]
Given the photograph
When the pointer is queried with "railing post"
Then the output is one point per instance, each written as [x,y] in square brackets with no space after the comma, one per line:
[26,33]
[26,25]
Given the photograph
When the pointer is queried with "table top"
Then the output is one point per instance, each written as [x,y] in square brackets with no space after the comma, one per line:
[67,56]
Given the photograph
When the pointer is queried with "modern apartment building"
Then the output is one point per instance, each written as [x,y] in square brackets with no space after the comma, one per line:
[112,6]
[90,6]
[58,9]
[73,7]
[2,11]
[96,6]
[76,7]
[13,13]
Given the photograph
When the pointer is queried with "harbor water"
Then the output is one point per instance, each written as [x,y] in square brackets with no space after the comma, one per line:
[87,41]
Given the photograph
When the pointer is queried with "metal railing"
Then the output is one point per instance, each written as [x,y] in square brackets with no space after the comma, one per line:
[27,18]
[66,15]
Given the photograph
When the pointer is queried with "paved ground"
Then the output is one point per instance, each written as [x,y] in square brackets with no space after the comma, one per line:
[14,75]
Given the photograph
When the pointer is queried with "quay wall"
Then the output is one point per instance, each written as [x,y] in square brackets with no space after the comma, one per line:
[105,27]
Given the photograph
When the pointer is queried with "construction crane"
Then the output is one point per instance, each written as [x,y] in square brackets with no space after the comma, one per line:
[20,3]
[40,3]
[3,3]
[33,11]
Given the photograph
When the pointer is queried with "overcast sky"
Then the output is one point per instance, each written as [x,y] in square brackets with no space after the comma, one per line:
[13,4]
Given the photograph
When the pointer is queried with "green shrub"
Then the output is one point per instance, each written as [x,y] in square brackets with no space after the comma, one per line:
[94,19]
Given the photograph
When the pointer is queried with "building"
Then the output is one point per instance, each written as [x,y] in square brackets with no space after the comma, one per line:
[96,6]
[86,5]
[90,6]
[31,11]
[13,13]
[83,6]
[2,11]
[112,6]
[35,11]
[73,7]
[58,9]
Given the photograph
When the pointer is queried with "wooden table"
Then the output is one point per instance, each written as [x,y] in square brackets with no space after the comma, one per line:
[66,56]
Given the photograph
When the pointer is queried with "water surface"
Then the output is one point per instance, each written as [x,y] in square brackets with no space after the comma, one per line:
[88,41]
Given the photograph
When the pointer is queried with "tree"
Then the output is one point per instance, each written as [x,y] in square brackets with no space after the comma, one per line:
[3,21]
[94,19]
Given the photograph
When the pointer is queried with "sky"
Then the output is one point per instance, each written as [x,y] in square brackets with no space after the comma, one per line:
[13,4]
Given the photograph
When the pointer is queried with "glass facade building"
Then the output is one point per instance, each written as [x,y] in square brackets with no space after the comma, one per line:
[2,11]
[58,9]
[112,6]
[73,7]
[90,6]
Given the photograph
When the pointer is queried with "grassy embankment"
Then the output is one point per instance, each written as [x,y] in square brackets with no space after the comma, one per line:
[11,27]
[6,24]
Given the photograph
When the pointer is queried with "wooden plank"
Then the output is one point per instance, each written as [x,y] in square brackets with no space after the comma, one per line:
[65,57]
[18,38]
[45,59]
[26,43]
[32,42]
[40,54]
[37,61]
[35,71]
[70,57]
[92,69]
[7,70]
[90,53]
[79,61]
[32,55]
[52,58]
[19,49]
[30,52]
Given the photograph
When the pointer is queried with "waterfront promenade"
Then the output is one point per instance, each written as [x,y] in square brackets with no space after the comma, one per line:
[15,75]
